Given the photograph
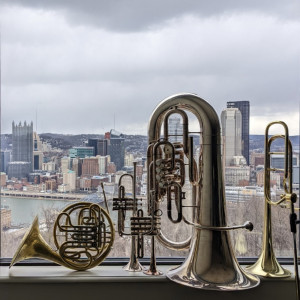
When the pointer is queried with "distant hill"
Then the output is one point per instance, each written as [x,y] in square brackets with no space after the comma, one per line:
[132,142]
[67,141]
[258,141]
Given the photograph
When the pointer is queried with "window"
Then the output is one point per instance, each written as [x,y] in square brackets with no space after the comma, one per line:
[81,81]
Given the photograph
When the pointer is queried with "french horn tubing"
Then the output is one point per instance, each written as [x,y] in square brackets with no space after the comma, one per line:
[211,263]
[83,235]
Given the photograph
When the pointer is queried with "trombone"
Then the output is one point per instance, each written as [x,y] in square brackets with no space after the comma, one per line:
[267,264]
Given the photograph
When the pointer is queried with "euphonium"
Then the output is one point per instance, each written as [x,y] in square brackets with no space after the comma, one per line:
[123,204]
[211,263]
[83,234]
[267,264]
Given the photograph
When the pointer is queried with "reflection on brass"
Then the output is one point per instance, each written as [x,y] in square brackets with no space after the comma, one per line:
[211,263]
[267,264]
[122,204]
[83,234]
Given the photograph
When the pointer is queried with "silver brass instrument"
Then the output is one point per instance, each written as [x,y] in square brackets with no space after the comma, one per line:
[83,234]
[267,264]
[211,263]
[123,204]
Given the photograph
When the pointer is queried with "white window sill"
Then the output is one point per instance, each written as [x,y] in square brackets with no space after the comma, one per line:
[111,282]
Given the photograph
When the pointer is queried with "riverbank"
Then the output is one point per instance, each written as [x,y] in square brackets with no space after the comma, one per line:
[37,195]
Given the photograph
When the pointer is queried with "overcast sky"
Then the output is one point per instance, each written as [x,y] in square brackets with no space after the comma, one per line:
[83,64]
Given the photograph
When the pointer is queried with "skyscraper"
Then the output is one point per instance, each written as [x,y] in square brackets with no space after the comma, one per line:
[22,143]
[244,107]
[102,147]
[175,129]
[117,148]
[231,119]
[5,159]
[93,143]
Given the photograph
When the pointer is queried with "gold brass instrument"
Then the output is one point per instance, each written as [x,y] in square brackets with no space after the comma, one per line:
[83,234]
[211,263]
[123,204]
[267,264]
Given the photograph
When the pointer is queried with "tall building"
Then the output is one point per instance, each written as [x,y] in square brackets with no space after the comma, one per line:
[22,147]
[90,166]
[93,143]
[76,165]
[69,179]
[81,152]
[102,147]
[37,152]
[175,129]
[117,149]
[231,120]
[2,179]
[103,162]
[65,164]
[5,159]
[18,169]
[244,107]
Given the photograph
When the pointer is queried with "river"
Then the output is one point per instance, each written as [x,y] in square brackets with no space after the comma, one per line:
[23,210]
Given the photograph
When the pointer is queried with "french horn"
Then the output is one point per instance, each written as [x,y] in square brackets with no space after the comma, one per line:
[211,263]
[83,235]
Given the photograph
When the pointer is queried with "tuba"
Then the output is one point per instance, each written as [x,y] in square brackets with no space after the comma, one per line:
[83,235]
[211,263]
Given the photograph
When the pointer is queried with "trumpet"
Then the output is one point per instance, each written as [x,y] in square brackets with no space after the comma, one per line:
[211,263]
[267,264]
[123,204]
[83,235]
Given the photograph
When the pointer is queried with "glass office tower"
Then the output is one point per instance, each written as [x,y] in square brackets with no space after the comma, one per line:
[244,107]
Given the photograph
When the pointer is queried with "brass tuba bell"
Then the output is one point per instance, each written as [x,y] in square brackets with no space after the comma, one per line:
[83,234]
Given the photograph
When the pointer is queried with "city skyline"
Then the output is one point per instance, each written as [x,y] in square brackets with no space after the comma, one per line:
[84,67]
[294,132]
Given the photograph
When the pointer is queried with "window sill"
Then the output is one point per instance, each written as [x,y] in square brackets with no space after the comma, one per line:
[56,282]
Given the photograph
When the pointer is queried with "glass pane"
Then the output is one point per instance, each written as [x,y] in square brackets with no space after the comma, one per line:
[79,83]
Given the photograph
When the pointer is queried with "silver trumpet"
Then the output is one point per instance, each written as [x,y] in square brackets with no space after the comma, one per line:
[123,204]
[211,263]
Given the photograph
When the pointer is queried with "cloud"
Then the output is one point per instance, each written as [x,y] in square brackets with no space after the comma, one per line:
[78,76]
[137,15]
